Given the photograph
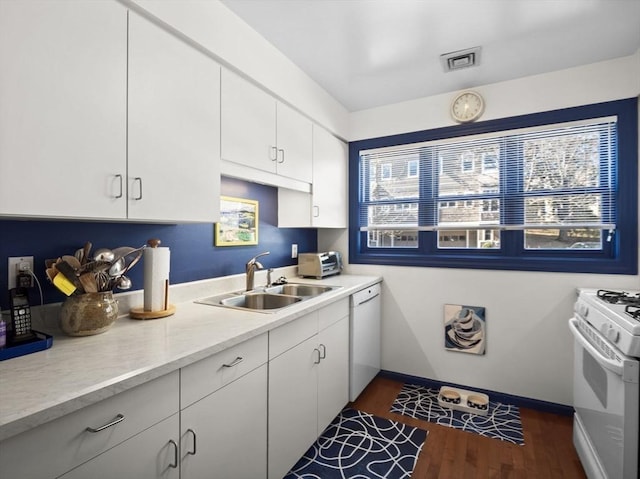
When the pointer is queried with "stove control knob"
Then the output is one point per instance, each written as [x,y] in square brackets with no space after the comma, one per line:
[613,335]
[582,309]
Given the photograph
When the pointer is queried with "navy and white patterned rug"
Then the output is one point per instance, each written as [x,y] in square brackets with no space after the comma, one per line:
[357,445]
[502,422]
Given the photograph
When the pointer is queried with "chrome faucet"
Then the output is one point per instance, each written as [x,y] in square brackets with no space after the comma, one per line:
[251,267]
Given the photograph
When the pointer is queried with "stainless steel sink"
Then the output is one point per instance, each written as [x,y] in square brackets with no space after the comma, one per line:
[268,300]
[297,289]
[261,301]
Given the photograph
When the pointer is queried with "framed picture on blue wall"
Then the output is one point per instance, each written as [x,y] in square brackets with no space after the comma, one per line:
[238,225]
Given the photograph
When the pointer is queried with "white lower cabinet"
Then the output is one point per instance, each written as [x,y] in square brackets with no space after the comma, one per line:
[148,455]
[308,382]
[119,427]
[224,435]
[224,414]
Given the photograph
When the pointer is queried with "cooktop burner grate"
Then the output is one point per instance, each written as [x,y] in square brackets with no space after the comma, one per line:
[619,297]
[633,311]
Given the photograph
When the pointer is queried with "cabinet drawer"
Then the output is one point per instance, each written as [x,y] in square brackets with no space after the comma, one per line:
[333,313]
[210,374]
[286,337]
[65,443]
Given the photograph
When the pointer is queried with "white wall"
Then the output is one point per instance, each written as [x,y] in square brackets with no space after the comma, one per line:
[529,347]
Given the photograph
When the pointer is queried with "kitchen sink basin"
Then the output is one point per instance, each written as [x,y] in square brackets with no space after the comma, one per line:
[268,300]
[297,289]
[261,301]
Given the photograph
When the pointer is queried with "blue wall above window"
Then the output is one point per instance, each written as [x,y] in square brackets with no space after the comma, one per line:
[193,254]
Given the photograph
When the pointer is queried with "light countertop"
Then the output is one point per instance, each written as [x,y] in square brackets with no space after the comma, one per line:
[78,371]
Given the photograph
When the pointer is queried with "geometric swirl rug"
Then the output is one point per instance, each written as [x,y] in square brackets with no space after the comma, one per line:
[360,445]
[502,421]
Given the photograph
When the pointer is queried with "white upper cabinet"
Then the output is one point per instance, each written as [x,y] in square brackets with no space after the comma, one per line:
[99,122]
[174,128]
[295,144]
[266,135]
[63,109]
[248,124]
[326,206]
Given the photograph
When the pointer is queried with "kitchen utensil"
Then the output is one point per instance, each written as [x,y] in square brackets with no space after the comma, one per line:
[93,266]
[89,283]
[127,258]
[118,262]
[79,254]
[102,280]
[123,283]
[104,254]
[86,251]
[63,284]
[69,272]
[72,261]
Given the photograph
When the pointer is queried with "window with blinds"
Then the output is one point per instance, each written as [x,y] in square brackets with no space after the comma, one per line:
[555,184]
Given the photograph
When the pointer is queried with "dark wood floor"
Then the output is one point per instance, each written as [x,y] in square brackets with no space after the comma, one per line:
[449,453]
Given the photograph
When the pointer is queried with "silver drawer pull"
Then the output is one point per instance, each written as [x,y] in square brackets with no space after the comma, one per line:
[233,363]
[323,353]
[194,450]
[118,418]
[174,464]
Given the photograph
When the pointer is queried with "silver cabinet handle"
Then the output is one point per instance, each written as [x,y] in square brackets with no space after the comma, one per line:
[316,211]
[273,154]
[174,464]
[117,419]
[119,195]
[323,353]
[233,363]
[282,151]
[139,181]
[193,451]
[319,356]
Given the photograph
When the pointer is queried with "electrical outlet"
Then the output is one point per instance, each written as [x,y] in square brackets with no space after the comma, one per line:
[19,264]
[294,250]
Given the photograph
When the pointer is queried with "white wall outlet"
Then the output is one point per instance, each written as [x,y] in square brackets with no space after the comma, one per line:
[16,265]
[294,250]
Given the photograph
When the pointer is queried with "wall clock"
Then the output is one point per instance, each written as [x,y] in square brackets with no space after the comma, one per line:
[467,106]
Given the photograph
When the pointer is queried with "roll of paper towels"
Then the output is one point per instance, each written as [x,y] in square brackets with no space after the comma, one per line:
[156,278]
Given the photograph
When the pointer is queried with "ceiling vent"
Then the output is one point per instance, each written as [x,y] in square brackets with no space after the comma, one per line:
[460,59]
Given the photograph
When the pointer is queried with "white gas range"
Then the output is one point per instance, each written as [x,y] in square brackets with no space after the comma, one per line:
[606,393]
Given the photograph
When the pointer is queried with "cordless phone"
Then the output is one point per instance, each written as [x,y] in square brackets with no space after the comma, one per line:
[20,328]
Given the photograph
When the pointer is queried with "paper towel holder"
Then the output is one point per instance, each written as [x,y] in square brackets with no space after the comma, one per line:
[169,309]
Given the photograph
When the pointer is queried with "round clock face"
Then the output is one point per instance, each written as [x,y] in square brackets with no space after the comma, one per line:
[467,106]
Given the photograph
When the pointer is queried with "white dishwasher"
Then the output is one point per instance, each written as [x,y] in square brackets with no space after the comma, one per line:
[364,322]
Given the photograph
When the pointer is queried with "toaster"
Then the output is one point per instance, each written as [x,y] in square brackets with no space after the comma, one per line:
[319,265]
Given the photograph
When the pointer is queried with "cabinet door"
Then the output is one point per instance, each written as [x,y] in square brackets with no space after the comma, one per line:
[292,406]
[295,140]
[329,208]
[147,455]
[63,108]
[248,124]
[224,435]
[174,127]
[333,372]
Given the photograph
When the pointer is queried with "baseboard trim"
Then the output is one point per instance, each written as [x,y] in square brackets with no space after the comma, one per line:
[520,401]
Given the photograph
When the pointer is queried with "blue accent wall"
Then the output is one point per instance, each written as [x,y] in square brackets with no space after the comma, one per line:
[193,254]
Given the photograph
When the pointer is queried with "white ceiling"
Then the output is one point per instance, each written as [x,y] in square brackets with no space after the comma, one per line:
[368,53]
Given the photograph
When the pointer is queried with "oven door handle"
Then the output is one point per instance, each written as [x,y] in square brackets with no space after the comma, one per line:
[605,362]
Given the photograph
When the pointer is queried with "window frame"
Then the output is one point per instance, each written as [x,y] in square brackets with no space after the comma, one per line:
[620,256]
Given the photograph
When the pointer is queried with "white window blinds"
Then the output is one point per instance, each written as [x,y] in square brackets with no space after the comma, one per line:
[554,176]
